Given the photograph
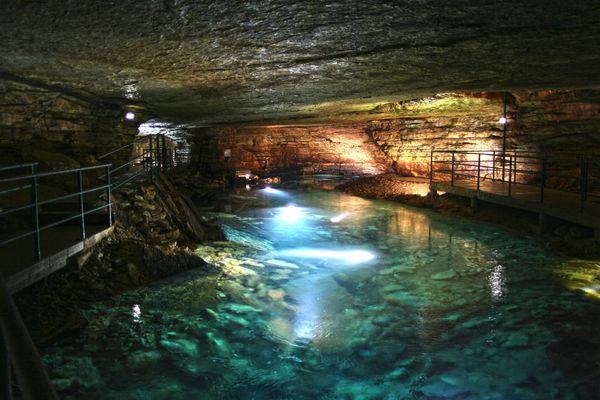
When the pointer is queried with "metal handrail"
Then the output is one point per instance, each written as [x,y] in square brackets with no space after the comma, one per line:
[141,138]
[31,165]
[35,203]
[17,349]
[45,174]
[519,166]
[535,154]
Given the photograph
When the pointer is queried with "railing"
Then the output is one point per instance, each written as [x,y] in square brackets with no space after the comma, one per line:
[17,167]
[150,153]
[35,203]
[577,175]
[16,348]
[19,356]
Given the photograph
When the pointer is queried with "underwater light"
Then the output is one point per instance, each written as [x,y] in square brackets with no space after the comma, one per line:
[276,192]
[290,213]
[339,218]
[130,116]
[350,256]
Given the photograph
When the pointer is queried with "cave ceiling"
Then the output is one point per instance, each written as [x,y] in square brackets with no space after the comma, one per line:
[207,62]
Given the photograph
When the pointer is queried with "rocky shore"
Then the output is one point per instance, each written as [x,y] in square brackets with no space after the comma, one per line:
[562,237]
[152,239]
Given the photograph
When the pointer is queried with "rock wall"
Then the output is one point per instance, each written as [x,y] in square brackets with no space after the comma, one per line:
[280,149]
[57,129]
[400,136]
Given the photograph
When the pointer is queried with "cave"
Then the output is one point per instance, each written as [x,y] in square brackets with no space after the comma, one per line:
[299,200]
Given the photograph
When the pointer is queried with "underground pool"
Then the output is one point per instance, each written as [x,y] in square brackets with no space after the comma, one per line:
[322,295]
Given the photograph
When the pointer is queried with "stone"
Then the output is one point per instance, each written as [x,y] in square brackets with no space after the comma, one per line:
[133,274]
[281,263]
[180,347]
[276,294]
[516,340]
[445,275]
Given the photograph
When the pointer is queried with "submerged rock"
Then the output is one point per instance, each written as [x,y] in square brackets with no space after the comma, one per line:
[516,340]
[276,294]
[281,263]
[442,276]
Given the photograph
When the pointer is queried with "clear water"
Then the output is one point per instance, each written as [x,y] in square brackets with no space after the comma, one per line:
[445,309]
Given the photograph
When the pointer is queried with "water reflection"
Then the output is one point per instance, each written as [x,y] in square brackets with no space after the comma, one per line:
[136,313]
[497,282]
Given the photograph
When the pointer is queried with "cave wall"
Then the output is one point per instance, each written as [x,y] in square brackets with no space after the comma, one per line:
[272,150]
[57,129]
[400,136]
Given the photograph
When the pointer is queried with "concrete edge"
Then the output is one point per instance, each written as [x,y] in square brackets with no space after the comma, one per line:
[49,265]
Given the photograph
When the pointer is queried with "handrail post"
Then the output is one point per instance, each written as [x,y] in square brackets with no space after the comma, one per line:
[509,176]
[151,159]
[109,203]
[583,182]
[164,153]
[5,372]
[478,169]
[544,173]
[28,369]
[81,206]
[158,157]
[494,165]
[36,218]
[452,174]
[430,168]
[515,169]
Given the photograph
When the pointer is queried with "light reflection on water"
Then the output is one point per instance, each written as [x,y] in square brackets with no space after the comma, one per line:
[387,303]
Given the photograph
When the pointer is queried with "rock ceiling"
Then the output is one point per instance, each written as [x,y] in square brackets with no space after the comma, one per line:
[277,60]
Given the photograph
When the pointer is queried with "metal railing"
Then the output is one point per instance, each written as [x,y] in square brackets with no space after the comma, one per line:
[150,154]
[17,167]
[151,159]
[577,175]
[35,203]
[18,355]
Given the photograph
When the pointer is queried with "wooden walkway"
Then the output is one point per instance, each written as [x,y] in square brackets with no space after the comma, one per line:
[557,204]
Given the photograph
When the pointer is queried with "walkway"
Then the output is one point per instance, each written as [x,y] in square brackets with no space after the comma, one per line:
[469,176]
[46,218]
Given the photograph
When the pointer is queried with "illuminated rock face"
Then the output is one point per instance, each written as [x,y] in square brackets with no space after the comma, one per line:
[547,121]
[336,149]
[236,61]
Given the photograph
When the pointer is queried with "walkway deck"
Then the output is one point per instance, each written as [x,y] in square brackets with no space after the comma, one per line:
[28,276]
[558,204]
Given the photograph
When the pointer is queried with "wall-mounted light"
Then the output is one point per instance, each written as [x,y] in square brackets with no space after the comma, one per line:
[130,116]
[502,120]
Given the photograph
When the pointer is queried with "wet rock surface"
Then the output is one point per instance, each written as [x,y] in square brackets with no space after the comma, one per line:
[243,61]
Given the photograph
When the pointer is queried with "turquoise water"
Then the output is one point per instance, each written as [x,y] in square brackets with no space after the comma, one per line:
[382,302]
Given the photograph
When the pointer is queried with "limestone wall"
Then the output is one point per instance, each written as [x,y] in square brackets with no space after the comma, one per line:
[400,136]
[55,128]
[279,149]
